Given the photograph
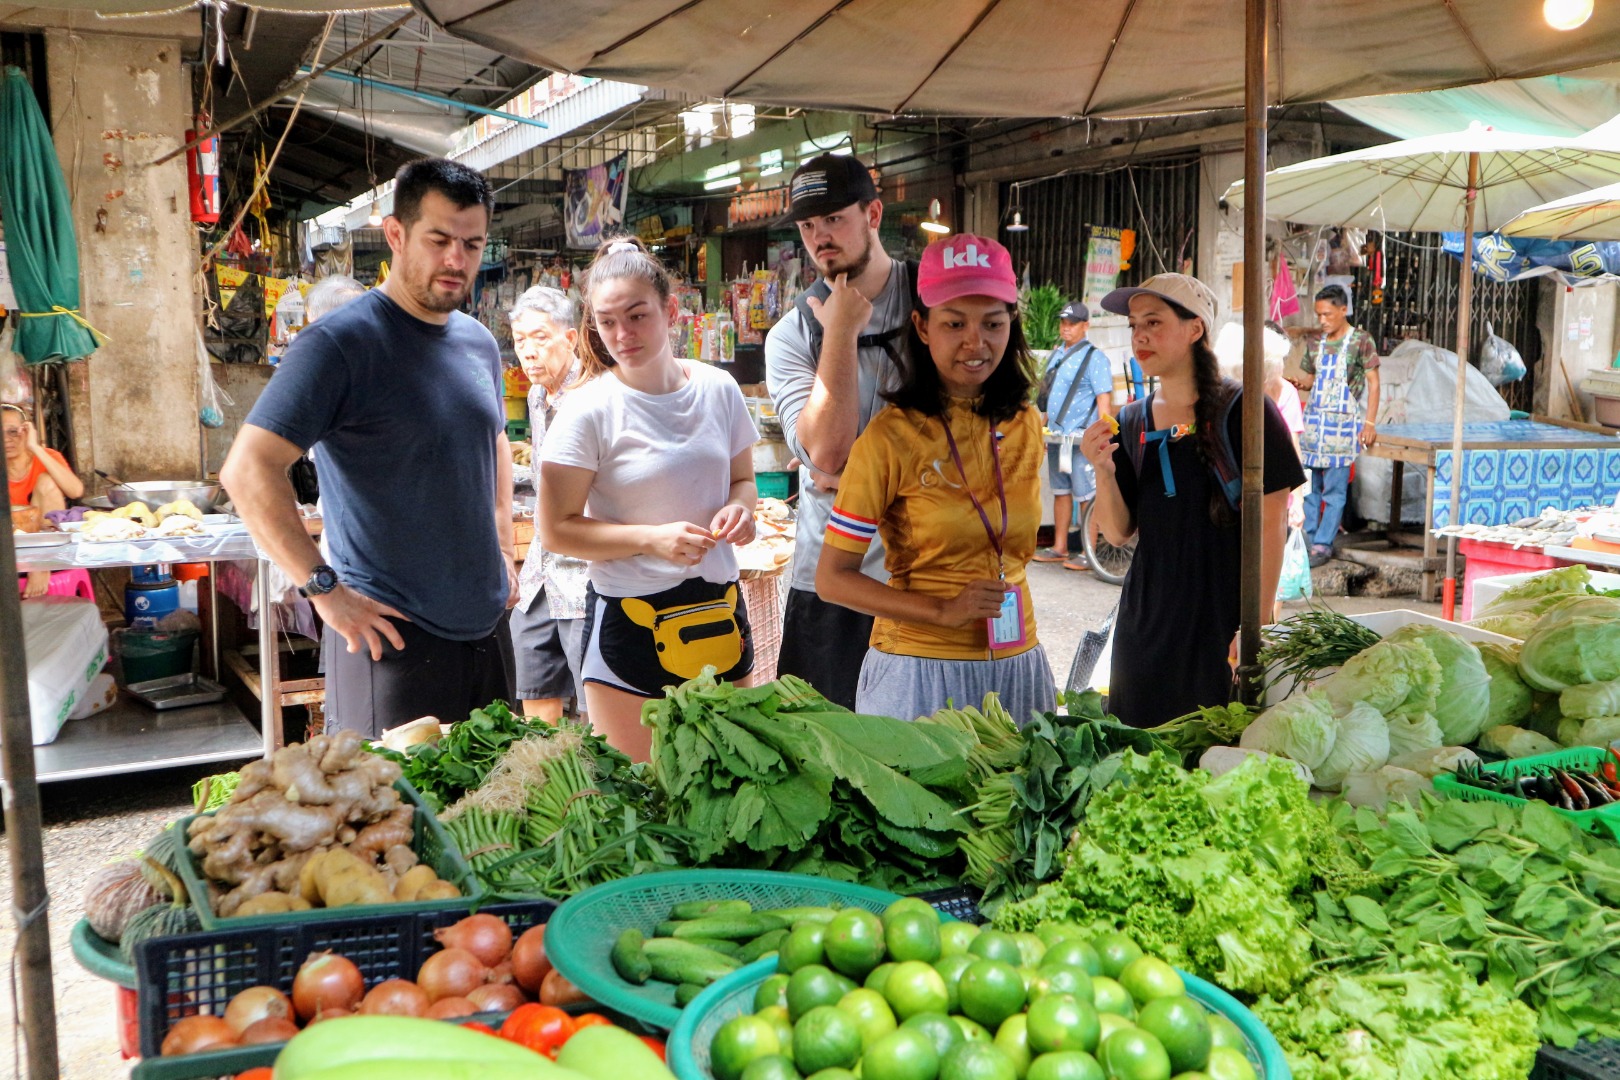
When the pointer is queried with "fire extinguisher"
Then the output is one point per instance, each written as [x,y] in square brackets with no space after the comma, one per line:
[202,174]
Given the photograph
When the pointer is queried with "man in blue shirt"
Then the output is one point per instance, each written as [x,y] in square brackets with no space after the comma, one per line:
[401,391]
[1076,392]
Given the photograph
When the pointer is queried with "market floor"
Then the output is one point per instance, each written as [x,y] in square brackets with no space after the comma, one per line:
[90,822]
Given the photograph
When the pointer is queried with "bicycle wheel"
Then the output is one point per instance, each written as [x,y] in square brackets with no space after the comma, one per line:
[1108,562]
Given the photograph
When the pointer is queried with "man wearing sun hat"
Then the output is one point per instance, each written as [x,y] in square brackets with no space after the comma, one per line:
[827,363]
[949,477]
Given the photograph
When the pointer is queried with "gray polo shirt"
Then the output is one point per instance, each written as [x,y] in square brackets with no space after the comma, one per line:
[790,374]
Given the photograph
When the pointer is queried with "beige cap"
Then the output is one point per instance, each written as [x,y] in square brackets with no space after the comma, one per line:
[1181,289]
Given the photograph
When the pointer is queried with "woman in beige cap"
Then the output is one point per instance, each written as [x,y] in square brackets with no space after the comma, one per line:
[1170,476]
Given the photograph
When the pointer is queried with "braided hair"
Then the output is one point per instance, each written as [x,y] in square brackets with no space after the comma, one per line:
[1214,391]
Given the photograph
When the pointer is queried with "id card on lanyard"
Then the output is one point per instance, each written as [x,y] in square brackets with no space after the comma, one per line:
[1006,629]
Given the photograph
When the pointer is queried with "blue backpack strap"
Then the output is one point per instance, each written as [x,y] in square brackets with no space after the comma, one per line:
[1135,437]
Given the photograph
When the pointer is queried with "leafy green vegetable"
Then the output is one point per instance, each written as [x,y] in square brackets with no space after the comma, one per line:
[1027,812]
[212,792]
[1301,728]
[1199,872]
[1219,725]
[1564,580]
[1510,699]
[1591,699]
[778,777]
[445,770]
[1576,641]
[1316,639]
[1429,1021]
[1362,745]
[1463,699]
[1513,742]
[1409,734]
[1398,678]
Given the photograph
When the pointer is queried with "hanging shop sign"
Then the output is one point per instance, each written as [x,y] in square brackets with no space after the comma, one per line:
[757,206]
[230,278]
[1104,261]
[1514,258]
[594,201]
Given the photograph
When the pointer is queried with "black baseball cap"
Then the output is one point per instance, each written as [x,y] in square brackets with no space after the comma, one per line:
[826,183]
[1075,311]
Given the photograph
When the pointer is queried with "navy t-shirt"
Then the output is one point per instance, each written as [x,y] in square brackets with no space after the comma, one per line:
[406,414]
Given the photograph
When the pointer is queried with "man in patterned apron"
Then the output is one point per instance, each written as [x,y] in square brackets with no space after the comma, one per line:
[1338,370]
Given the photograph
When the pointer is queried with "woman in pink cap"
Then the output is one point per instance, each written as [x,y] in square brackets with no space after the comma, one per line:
[1170,477]
[948,474]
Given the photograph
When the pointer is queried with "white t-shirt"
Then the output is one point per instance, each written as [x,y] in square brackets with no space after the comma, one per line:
[658,458]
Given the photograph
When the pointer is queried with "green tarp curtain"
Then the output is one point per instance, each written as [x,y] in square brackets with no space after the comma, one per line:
[41,250]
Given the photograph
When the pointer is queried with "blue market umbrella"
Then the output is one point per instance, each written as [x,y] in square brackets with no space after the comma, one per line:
[40,245]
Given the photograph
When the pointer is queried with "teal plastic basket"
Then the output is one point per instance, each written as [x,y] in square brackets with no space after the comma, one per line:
[101,957]
[432,845]
[1603,821]
[582,931]
[732,996]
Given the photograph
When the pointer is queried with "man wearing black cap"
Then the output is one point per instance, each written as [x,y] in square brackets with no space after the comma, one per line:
[1077,391]
[827,363]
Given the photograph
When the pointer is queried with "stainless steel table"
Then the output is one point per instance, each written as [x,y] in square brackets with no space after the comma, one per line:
[129,737]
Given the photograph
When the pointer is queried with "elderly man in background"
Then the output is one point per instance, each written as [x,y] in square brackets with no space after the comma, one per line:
[548,641]
[329,294]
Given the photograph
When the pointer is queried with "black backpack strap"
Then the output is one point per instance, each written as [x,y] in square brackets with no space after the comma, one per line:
[884,340]
[1133,428]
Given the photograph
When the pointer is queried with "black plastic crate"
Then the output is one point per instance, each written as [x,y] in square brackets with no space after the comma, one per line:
[199,973]
[960,902]
[1586,1060]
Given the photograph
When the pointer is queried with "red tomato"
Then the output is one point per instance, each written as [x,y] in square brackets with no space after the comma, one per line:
[485,1028]
[260,1073]
[585,1020]
[656,1046]
[542,1028]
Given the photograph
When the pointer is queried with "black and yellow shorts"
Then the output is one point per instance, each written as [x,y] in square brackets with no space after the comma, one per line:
[641,644]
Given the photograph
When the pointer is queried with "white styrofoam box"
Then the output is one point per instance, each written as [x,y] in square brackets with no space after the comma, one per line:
[1486,590]
[66,646]
[1385,623]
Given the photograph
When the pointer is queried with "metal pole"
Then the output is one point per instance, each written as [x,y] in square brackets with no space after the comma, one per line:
[1465,300]
[437,99]
[24,834]
[269,664]
[1252,605]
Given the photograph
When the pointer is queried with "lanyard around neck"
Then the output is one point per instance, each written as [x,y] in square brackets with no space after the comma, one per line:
[996,541]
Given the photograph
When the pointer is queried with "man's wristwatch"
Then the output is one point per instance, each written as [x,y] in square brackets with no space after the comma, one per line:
[322,580]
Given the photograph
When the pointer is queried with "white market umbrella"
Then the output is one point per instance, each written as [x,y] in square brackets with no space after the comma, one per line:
[1591,215]
[1467,181]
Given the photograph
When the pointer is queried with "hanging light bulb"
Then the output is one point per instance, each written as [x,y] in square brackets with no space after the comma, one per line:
[1018,222]
[933,224]
[374,219]
[1566,14]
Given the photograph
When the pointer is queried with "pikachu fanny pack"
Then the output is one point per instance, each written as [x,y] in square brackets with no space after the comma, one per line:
[651,641]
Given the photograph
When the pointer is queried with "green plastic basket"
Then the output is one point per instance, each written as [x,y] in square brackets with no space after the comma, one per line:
[100,957]
[581,933]
[733,996]
[1603,820]
[209,1066]
[431,843]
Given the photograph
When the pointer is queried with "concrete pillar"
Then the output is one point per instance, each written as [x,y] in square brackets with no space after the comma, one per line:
[120,101]
[1586,330]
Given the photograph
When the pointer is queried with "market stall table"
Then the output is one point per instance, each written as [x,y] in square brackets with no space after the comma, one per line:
[130,737]
[1515,469]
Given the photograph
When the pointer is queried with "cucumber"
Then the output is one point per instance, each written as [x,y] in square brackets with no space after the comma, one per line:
[719,945]
[697,909]
[730,927]
[679,962]
[765,943]
[666,928]
[685,992]
[793,915]
[628,958]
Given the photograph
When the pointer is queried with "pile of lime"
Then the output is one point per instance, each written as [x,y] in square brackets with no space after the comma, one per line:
[906,997]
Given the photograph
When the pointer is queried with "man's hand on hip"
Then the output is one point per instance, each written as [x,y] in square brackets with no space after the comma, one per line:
[362,621]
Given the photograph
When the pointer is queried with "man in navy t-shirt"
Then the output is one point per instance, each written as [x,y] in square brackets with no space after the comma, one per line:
[402,392]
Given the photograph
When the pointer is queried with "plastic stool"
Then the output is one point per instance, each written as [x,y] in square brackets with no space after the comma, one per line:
[64,583]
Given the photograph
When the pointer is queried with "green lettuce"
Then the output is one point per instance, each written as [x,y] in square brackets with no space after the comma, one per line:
[1397,678]
[1301,728]
[1577,641]
[1591,699]
[1516,742]
[1362,746]
[1510,700]
[1409,734]
[1563,581]
[1463,701]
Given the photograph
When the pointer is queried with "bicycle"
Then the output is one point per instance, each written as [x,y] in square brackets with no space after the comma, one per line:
[1108,562]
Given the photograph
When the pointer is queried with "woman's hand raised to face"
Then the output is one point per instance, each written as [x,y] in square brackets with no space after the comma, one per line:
[1098,445]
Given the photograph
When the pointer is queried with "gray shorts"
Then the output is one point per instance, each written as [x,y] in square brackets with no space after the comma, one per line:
[913,687]
[548,652]
[1081,482]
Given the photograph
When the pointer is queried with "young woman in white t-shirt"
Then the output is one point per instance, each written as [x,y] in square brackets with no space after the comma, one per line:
[647,472]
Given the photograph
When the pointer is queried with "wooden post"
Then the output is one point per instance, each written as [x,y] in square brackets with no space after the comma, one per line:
[1465,297]
[1253,607]
[24,839]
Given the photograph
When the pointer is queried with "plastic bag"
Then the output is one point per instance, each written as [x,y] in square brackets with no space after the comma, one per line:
[1295,580]
[211,399]
[1499,361]
[15,386]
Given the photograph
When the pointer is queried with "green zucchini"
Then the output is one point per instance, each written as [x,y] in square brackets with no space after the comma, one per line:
[697,909]
[685,992]
[793,915]
[628,958]
[679,962]
[720,945]
[765,943]
[730,927]
[666,928]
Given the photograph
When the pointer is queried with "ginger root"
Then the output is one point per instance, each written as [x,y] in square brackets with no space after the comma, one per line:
[413,881]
